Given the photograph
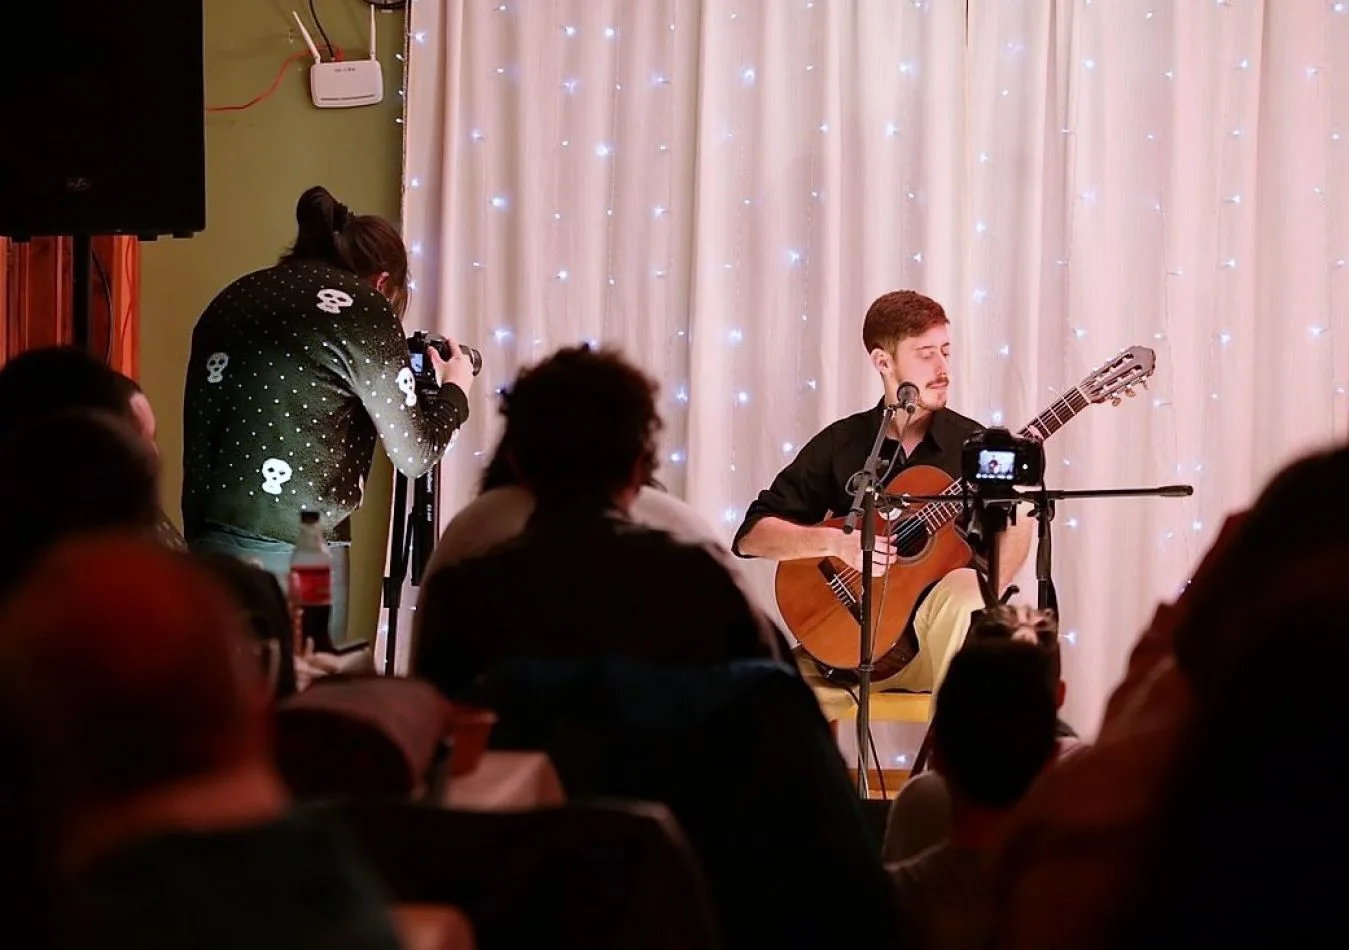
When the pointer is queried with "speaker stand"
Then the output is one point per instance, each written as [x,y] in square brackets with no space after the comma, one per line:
[82,284]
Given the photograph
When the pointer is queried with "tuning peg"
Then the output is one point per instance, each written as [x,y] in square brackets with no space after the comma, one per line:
[1129,391]
[1115,400]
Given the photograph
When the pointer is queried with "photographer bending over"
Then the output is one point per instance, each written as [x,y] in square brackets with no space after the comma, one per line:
[294,371]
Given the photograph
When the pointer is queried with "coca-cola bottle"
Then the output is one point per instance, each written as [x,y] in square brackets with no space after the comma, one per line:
[311,586]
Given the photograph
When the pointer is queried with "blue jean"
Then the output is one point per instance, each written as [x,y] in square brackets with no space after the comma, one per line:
[274,557]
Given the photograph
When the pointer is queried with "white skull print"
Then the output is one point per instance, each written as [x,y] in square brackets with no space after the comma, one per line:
[275,473]
[332,301]
[408,384]
[215,367]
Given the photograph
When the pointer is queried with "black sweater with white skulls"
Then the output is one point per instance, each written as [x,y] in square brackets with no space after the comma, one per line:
[294,372]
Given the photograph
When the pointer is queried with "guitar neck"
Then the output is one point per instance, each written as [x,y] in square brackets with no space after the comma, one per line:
[937,515]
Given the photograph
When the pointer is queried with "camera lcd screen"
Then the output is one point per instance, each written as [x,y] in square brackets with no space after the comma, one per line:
[997,465]
[416,359]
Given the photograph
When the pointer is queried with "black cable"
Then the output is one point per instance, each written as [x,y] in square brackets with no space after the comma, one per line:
[112,316]
[322,32]
[387,4]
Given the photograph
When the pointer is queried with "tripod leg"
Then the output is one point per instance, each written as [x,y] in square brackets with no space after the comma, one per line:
[400,535]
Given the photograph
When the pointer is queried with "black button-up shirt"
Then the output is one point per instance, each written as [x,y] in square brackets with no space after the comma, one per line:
[815,484]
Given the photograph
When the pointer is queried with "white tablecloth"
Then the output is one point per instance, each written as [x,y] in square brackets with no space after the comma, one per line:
[506,781]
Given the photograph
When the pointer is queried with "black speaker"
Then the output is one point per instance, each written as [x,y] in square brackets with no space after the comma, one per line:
[104,119]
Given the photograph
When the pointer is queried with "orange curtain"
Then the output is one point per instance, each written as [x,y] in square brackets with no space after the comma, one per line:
[36,297]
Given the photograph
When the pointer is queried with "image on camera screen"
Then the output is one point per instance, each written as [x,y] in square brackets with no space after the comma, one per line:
[416,359]
[997,465]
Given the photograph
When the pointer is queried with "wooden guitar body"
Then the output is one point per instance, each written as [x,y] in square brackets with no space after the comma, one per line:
[820,598]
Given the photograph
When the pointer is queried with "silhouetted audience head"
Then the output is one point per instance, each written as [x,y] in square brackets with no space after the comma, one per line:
[27,828]
[71,473]
[1254,824]
[133,660]
[139,410]
[1299,510]
[581,428]
[1022,624]
[56,379]
[993,727]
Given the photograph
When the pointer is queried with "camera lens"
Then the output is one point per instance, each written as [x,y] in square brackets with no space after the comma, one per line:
[474,357]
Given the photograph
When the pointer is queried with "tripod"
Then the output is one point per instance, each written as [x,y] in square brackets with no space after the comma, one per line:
[412,539]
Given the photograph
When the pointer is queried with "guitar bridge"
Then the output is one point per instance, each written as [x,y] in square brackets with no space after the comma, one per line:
[842,592]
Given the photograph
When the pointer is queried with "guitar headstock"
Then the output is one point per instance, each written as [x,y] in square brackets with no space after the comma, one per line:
[1116,377]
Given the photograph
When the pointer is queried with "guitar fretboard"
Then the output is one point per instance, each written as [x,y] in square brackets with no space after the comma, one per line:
[936,515]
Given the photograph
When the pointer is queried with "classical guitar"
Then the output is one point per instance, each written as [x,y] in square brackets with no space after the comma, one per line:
[820,598]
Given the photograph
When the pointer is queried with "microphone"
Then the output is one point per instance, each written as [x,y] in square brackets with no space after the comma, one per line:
[907,398]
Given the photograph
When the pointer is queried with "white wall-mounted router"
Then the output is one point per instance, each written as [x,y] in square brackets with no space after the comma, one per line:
[344,84]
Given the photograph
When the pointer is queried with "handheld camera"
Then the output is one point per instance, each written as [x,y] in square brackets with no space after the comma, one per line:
[421,341]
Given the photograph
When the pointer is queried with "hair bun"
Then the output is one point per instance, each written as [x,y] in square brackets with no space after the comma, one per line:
[318,212]
[341,215]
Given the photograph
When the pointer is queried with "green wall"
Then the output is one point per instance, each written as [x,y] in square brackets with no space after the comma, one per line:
[257,163]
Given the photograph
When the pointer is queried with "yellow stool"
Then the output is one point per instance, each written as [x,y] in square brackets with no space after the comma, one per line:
[838,706]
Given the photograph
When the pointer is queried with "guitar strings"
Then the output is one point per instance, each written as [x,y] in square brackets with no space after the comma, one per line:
[907,530]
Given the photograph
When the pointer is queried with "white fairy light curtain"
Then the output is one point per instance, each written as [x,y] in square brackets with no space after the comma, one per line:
[721,188]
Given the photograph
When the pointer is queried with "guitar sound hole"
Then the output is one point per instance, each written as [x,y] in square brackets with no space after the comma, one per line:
[910,537]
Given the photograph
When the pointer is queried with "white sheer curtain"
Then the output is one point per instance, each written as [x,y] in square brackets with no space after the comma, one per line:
[720,188]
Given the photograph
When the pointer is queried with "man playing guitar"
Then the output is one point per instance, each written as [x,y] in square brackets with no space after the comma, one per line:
[908,338]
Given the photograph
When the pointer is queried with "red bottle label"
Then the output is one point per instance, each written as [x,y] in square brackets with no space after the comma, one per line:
[311,586]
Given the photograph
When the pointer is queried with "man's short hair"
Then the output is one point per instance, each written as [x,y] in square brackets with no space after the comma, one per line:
[58,379]
[993,728]
[71,473]
[898,315]
[1007,622]
[579,425]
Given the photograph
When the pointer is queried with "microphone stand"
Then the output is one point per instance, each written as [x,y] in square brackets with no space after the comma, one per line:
[864,508]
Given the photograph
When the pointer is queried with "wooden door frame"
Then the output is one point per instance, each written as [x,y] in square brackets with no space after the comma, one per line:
[36,296]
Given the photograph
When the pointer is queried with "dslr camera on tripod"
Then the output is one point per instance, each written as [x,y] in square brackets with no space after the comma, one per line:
[421,341]
[994,462]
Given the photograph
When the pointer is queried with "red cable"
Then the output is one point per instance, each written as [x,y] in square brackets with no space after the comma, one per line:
[276,84]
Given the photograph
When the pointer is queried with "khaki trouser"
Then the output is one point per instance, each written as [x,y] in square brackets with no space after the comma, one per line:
[942,620]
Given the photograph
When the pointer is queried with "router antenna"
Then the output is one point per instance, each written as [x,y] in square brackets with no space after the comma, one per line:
[372,31]
[309,40]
